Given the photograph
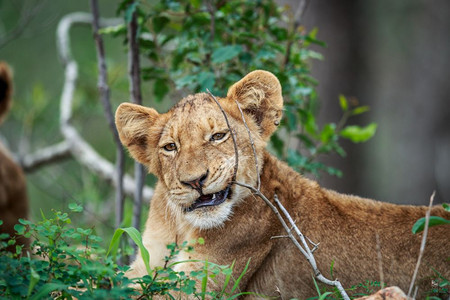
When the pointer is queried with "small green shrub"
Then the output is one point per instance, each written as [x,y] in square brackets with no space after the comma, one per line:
[66,262]
[192,45]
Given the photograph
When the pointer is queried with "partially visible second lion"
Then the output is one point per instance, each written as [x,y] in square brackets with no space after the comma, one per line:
[191,150]
[13,192]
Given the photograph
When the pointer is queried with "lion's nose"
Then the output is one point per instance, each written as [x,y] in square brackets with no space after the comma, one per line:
[197,183]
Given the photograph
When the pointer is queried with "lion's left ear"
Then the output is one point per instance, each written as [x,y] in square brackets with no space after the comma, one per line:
[259,95]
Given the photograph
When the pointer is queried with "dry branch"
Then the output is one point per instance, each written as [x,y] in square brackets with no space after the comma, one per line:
[45,156]
[422,244]
[105,99]
[303,247]
[73,143]
[233,135]
[136,97]
[258,185]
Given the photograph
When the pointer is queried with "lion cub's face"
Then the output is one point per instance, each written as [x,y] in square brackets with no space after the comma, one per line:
[197,158]
[191,150]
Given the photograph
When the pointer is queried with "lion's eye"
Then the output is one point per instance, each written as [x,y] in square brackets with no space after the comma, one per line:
[170,147]
[218,136]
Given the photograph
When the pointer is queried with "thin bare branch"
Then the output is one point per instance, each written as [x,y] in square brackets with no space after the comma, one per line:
[52,154]
[233,135]
[422,244]
[301,8]
[253,145]
[136,97]
[79,148]
[279,237]
[105,99]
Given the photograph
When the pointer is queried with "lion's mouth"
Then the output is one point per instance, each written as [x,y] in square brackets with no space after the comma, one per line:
[210,199]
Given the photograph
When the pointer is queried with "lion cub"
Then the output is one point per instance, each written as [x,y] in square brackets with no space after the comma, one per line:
[13,191]
[191,150]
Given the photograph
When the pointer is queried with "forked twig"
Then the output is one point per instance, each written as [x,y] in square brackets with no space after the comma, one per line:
[79,148]
[309,253]
[422,244]
[305,250]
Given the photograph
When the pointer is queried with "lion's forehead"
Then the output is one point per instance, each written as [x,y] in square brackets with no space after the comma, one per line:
[193,117]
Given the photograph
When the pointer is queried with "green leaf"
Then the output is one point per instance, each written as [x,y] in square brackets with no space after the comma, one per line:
[434,221]
[34,278]
[311,38]
[159,22]
[327,132]
[201,241]
[160,89]
[1,222]
[225,53]
[20,229]
[310,123]
[130,10]
[278,144]
[195,3]
[444,205]
[291,119]
[204,279]
[46,289]
[331,269]
[206,80]
[75,207]
[360,110]
[113,30]
[236,283]
[137,238]
[359,134]
[343,102]
[227,272]
[333,171]
[324,295]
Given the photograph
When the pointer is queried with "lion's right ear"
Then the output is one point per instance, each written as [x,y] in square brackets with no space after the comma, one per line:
[134,124]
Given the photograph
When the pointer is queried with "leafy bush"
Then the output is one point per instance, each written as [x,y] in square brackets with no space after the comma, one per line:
[198,45]
[65,261]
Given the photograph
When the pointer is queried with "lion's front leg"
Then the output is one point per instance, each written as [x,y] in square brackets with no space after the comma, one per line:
[157,235]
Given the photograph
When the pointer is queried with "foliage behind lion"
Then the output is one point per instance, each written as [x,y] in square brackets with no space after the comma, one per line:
[191,150]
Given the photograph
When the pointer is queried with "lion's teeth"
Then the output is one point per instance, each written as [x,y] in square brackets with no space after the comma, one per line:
[214,197]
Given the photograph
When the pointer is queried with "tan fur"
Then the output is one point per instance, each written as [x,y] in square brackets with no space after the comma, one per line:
[13,193]
[241,228]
